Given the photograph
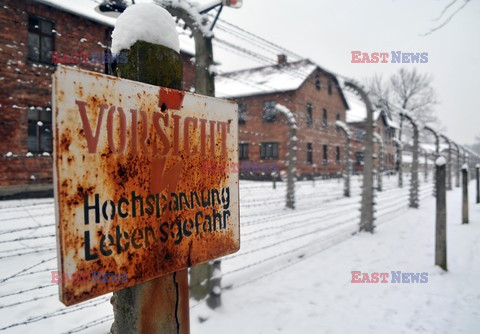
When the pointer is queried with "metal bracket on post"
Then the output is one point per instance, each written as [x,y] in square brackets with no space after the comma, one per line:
[348,164]
[367,209]
[292,123]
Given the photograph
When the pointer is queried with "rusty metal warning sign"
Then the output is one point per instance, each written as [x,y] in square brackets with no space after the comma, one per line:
[135,194]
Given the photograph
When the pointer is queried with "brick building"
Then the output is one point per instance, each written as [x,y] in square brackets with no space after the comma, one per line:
[31,30]
[314,97]
[384,126]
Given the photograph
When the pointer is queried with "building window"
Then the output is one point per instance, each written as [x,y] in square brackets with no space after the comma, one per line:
[243,151]
[329,87]
[309,114]
[325,154]
[40,40]
[39,130]
[337,155]
[309,153]
[269,111]
[324,118]
[359,158]
[242,113]
[318,84]
[359,134]
[269,151]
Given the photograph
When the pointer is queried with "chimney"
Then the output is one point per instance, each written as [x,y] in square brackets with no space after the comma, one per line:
[281,59]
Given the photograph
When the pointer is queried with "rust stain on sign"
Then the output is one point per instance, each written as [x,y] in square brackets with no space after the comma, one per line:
[132,201]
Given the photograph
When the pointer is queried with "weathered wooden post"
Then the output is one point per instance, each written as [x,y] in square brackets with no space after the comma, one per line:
[160,305]
[292,140]
[477,168]
[465,180]
[367,208]
[441,215]
[348,164]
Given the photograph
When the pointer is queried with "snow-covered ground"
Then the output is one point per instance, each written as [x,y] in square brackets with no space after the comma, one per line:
[292,273]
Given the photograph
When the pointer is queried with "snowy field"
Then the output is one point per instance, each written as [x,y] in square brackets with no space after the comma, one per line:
[292,273]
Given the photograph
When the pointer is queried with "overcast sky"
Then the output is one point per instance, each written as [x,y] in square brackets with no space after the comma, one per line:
[326,31]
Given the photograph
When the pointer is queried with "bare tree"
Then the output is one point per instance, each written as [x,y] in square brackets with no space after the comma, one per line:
[456,6]
[407,89]
[413,91]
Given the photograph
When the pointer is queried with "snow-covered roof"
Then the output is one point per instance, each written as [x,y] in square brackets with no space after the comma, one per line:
[264,80]
[358,113]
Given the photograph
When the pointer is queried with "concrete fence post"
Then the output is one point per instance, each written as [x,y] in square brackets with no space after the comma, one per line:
[400,153]
[457,165]
[367,208]
[292,142]
[162,304]
[426,166]
[465,180]
[380,170]
[413,194]
[449,162]
[348,163]
[477,169]
[441,215]
[437,153]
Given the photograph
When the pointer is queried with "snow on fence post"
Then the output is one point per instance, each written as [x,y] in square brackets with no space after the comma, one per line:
[292,140]
[441,215]
[378,138]
[457,166]
[465,194]
[162,304]
[367,208]
[348,163]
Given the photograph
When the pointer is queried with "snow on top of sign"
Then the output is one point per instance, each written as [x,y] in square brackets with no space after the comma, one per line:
[261,80]
[441,161]
[145,22]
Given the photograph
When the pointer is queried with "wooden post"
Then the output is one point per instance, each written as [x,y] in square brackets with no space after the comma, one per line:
[441,215]
[465,194]
[413,195]
[162,304]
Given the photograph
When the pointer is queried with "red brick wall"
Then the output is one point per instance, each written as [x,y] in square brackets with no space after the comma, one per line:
[25,84]
[255,130]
